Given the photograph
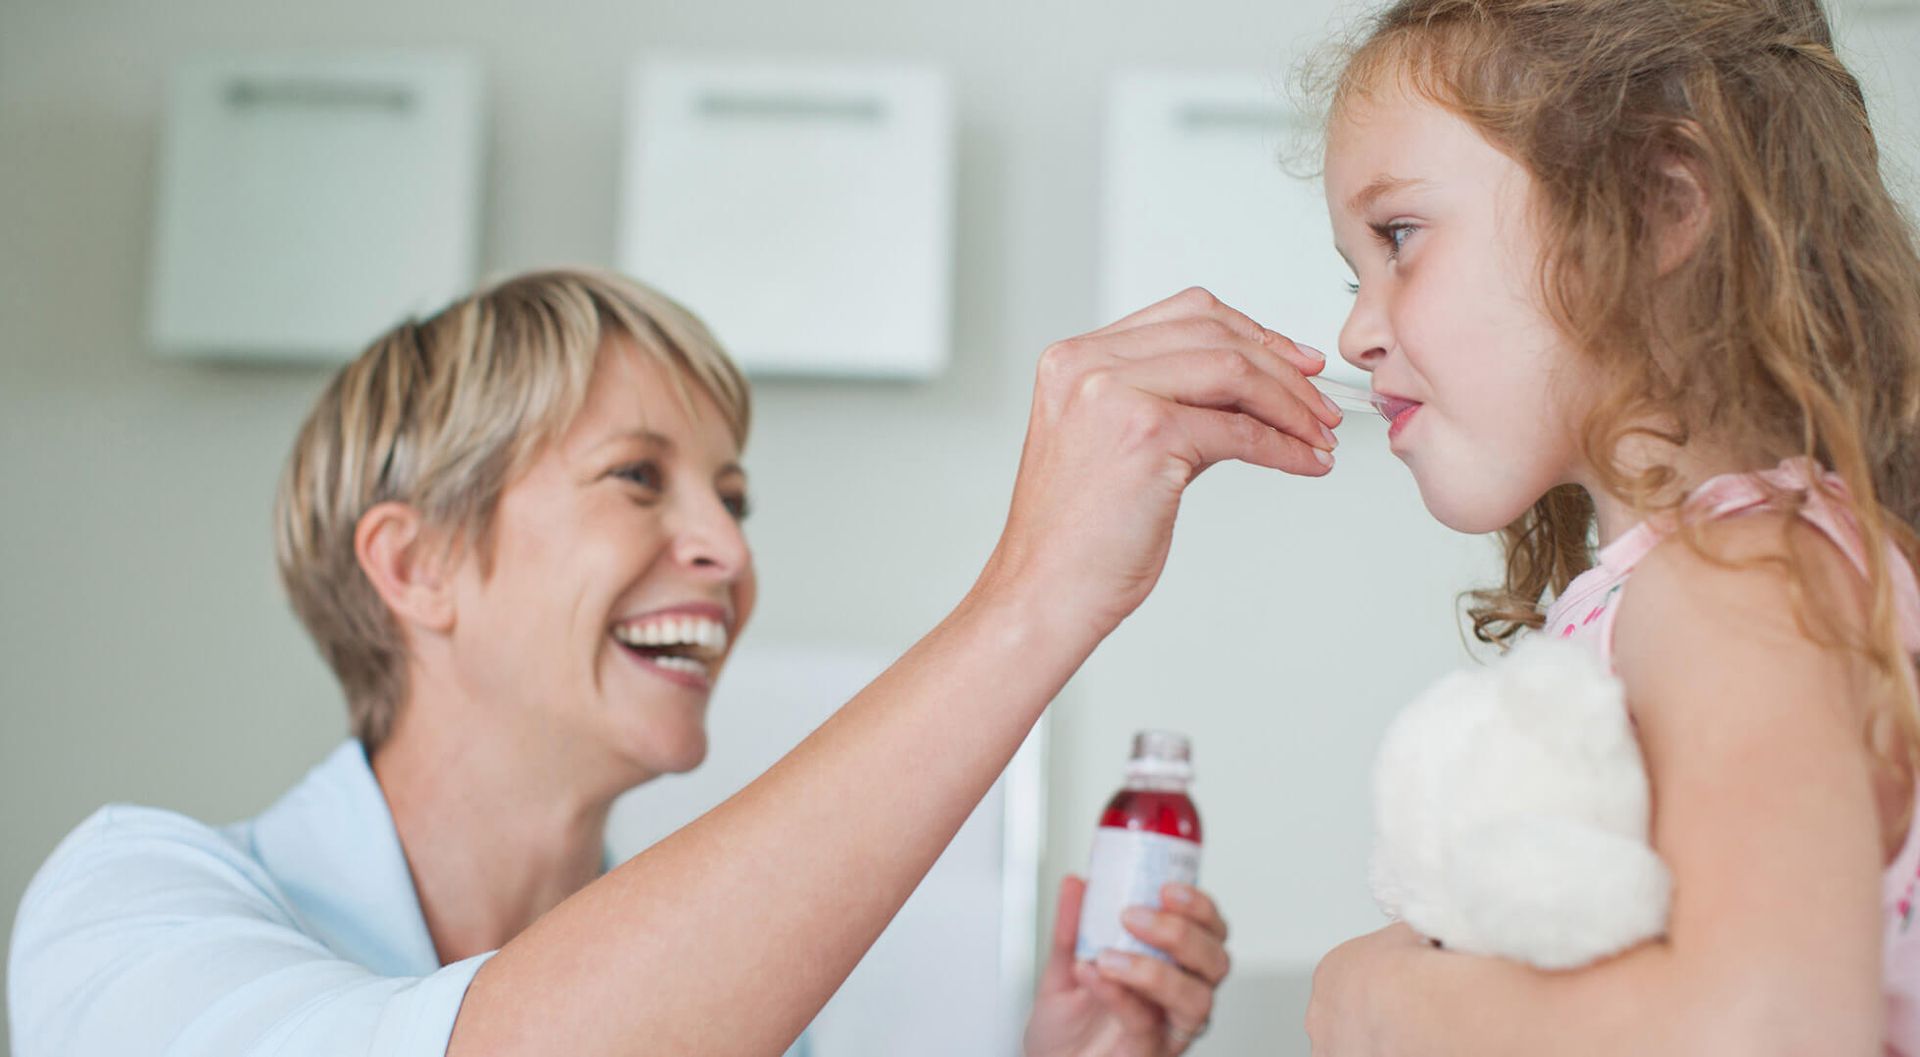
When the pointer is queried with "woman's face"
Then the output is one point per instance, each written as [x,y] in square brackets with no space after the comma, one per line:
[620,578]
[1435,223]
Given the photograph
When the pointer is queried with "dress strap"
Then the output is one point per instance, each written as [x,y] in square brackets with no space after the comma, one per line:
[1825,508]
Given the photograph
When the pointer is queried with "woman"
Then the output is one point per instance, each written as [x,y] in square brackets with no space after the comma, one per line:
[513,530]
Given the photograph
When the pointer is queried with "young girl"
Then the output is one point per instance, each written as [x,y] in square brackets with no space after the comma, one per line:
[1631,281]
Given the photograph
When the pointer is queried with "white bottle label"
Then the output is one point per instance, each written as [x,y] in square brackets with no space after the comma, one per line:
[1126,869]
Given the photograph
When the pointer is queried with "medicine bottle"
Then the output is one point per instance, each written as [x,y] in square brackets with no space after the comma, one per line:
[1149,836]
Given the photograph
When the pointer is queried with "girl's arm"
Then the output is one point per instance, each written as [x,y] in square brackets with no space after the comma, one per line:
[727,937]
[1763,808]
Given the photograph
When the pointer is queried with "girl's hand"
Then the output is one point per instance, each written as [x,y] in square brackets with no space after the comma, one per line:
[1122,420]
[1126,1005]
[1341,1019]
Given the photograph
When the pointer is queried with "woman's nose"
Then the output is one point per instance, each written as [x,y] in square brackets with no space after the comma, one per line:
[707,538]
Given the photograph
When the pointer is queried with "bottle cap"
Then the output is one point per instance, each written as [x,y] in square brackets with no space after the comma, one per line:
[1161,754]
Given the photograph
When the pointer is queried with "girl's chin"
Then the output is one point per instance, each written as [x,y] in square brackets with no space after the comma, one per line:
[1469,510]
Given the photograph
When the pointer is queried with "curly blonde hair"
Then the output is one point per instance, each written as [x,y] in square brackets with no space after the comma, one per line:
[1793,327]
[442,414]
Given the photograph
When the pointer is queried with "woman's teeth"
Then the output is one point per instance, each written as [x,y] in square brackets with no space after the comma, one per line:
[699,634]
[690,665]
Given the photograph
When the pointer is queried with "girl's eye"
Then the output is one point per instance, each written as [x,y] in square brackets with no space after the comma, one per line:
[1393,235]
[1353,288]
[737,505]
[645,474]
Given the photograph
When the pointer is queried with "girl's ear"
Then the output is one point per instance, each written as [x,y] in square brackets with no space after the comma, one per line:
[1680,213]
[410,568]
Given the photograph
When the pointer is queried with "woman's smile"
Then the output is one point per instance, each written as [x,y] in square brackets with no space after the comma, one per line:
[682,644]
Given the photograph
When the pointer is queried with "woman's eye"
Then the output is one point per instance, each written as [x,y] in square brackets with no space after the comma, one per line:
[645,474]
[737,505]
[1353,288]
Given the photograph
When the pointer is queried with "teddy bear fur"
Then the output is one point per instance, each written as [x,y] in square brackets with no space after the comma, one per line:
[1511,813]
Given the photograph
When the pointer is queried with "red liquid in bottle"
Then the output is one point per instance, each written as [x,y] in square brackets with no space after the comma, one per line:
[1169,812]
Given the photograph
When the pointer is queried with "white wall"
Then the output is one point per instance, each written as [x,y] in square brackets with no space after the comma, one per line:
[145,654]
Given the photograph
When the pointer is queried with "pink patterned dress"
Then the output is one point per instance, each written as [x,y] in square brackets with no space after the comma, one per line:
[1586,610]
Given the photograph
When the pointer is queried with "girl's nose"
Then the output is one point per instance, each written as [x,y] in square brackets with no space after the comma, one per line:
[1363,340]
[1367,359]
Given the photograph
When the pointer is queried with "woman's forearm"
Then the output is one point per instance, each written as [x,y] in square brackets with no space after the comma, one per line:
[728,936]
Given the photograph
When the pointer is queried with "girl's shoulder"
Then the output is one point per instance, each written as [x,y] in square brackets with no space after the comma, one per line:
[1763,798]
[1732,611]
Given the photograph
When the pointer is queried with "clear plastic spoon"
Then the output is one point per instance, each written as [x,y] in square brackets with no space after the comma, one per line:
[1350,397]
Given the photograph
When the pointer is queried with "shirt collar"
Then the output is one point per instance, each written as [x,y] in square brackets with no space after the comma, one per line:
[331,846]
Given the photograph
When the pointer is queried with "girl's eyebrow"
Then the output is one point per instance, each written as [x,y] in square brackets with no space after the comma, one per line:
[1380,186]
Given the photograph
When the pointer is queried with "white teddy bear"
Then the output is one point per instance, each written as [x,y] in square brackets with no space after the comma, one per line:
[1511,814]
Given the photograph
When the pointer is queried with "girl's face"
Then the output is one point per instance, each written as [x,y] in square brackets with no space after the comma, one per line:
[1435,224]
[620,578]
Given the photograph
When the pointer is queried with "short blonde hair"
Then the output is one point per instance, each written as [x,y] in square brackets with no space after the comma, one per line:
[442,414]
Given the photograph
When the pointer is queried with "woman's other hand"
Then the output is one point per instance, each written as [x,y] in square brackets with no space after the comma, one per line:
[1128,1005]
[1123,419]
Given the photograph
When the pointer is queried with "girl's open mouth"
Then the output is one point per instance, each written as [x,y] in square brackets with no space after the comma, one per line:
[1397,412]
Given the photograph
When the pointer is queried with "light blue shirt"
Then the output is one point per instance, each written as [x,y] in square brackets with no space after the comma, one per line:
[297,934]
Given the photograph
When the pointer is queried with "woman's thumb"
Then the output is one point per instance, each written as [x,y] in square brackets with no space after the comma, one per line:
[1066,931]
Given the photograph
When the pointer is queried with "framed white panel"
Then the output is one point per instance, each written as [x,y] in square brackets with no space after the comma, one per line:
[308,202]
[952,975]
[1196,195]
[804,211]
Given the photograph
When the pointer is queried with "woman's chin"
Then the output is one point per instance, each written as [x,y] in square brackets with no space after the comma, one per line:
[657,752]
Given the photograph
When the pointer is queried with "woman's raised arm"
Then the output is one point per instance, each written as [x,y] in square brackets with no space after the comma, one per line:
[729,936]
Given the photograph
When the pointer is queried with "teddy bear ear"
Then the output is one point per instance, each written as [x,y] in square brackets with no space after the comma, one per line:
[1560,694]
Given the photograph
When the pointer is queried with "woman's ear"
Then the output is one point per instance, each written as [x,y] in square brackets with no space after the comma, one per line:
[410,568]
[1681,213]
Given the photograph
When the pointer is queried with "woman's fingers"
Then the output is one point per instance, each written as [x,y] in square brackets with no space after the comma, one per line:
[1217,436]
[1185,999]
[1196,304]
[1171,407]
[1122,420]
[1194,300]
[1156,342]
[1137,1016]
[1192,933]
[1192,946]
[1192,903]
[1225,380]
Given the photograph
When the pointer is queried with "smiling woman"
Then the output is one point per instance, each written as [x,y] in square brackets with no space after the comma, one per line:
[625,526]
[438,416]
[513,529]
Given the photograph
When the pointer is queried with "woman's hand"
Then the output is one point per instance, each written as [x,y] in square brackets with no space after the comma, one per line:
[1127,1005]
[1123,419]
[1341,1020]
